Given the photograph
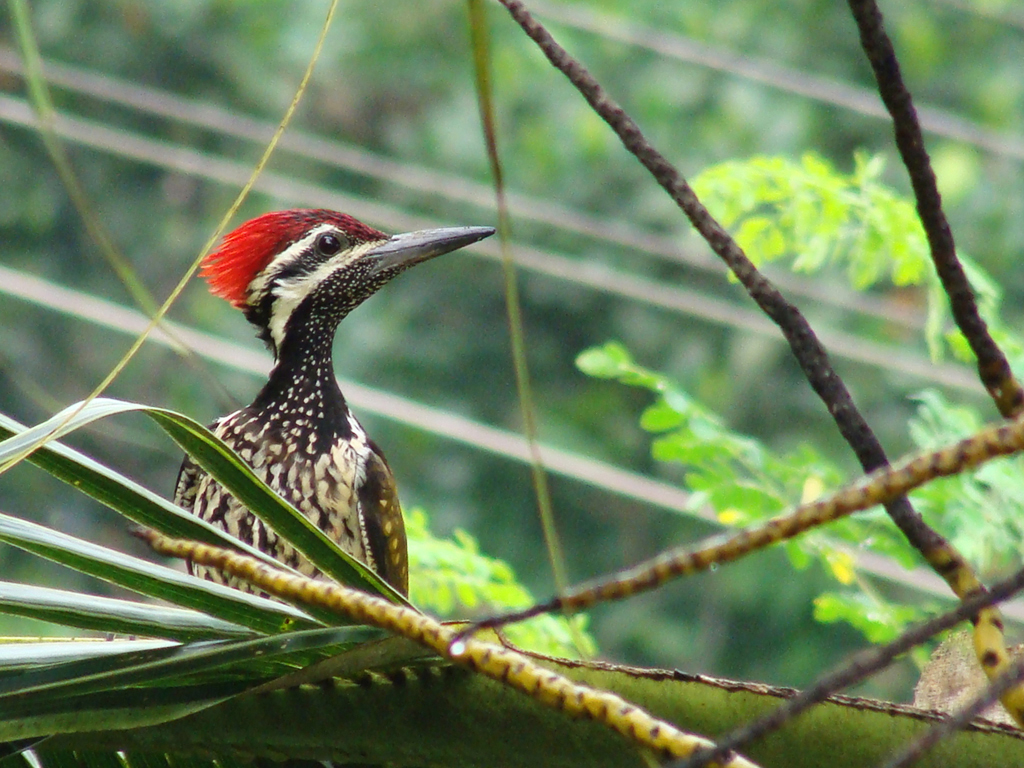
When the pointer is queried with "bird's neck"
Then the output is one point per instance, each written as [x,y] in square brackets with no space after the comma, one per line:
[302,386]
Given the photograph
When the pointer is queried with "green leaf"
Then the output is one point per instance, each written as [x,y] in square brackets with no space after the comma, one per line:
[613,361]
[682,447]
[125,684]
[54,685]
[798,554]
[107,614]
[758,235]
[606,362]
[753,500]
[113,710]
[214,456]
[124,495]
[454,574]
[18,654]
[18,759]
[147,578]
[818,216]
[660,417]
[879,620]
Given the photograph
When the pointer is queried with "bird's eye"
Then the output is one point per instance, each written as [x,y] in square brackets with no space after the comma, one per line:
[328,244]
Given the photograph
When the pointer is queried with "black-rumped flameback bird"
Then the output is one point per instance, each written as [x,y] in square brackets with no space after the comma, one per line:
[296,275]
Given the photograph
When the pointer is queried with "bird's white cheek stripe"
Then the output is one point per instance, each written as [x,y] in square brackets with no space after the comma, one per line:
[290,293]
[265,277]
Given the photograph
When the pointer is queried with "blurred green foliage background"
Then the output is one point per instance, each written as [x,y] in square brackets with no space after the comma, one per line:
[175,100]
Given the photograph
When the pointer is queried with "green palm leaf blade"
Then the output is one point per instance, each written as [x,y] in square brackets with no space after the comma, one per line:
[446,716]
[146,760]
[117,710]
[18,760]
[141,687]
[20,654]
[107,614]
[250,659]
[124,495]
[41,713]
[228,469]
[153,580]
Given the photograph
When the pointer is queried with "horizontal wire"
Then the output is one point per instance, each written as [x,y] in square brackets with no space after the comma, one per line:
[443,424]
[826,90]
[599,277]
[423,417]
[437,184]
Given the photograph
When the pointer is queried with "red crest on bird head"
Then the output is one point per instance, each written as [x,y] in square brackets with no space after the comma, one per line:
[246,251]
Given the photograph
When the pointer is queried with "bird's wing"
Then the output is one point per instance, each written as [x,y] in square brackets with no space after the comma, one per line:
[385,530]
[187,485]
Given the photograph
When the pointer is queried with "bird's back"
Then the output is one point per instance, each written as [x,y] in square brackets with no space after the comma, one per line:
[345,488]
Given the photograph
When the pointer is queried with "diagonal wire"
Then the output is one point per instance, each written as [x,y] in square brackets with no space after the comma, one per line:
[599,277]
[826,90]
[154,322]
[438,184]
[449,426]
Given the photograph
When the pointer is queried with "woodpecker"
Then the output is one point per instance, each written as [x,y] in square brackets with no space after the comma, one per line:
[296,275]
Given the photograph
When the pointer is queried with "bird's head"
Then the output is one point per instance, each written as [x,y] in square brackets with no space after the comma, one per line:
[302,271]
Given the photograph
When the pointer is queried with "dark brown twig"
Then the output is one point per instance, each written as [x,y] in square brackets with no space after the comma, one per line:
[993,368]
[808,350]
[859,668]
[889,482]
[503,665]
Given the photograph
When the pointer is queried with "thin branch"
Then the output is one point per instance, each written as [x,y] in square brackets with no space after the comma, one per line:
[808,350]
[960,719]
[859,668]
[993,368]
[501,664]
[679,299]
[885,484]
[435,421]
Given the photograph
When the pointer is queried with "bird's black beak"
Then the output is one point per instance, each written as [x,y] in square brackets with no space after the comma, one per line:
[405,250]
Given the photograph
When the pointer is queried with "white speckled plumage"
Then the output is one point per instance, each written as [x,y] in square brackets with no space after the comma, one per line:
[321,485]
[296,274]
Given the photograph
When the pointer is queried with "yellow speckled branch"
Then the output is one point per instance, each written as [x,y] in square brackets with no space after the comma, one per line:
[499,663]
[886,484]
[877,488]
